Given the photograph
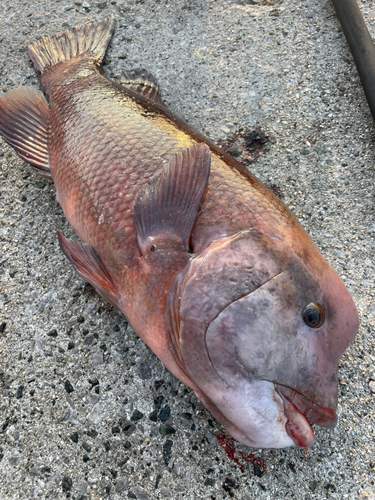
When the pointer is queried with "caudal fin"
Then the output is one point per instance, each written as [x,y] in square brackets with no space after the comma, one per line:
[91,39]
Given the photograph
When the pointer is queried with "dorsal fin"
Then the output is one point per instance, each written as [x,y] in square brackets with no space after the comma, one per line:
[24,124]
[91,39]
[141,81]
[89,267]
[167,205]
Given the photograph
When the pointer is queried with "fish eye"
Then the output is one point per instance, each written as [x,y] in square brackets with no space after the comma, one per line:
[313,315]
[153,248]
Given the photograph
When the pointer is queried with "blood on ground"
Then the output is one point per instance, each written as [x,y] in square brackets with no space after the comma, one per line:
[226,443]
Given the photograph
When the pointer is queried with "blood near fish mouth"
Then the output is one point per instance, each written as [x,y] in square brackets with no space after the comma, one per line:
[324,417]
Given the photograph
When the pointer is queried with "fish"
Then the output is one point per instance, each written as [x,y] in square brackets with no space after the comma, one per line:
[209,267]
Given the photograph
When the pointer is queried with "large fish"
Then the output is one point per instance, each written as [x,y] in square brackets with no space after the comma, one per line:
[209,267]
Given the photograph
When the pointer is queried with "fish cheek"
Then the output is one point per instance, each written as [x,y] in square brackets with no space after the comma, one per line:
[257,336]
[230,268]
[263,336]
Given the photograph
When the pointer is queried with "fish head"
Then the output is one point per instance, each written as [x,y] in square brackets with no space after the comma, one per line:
[260,332]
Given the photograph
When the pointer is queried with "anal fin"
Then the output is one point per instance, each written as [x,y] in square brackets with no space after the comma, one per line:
[89,267]
[24,124]
[141,81]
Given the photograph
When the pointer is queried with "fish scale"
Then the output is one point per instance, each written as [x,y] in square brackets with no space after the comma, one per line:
[209,267]
[113,146]
[100,166]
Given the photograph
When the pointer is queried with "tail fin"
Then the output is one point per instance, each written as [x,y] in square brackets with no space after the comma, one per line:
[91,38]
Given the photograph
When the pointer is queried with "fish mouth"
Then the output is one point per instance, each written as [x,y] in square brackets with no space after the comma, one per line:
[299,411]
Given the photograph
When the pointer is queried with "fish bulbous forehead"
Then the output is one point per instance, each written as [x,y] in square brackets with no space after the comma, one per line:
[241,319]
[267,290]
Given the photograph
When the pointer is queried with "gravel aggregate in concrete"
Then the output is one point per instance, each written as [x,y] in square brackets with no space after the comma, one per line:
[86,410]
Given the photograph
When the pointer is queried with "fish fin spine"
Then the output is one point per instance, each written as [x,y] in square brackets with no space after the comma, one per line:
[89,266]
[24,125]
[141,81]
[90,39]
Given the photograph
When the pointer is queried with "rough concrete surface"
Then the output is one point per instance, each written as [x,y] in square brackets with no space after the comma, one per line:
[77,386]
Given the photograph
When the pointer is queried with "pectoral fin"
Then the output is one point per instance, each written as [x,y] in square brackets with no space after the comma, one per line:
[167,206]
[24,123]
[89,267]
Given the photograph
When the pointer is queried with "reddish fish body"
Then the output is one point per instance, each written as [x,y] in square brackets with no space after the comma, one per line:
[211,270]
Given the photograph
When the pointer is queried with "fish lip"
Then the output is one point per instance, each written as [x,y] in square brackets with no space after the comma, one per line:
[324,417]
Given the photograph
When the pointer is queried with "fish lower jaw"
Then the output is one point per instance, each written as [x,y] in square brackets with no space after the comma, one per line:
[297,426]
[258,424]
[279,442]
[298,410]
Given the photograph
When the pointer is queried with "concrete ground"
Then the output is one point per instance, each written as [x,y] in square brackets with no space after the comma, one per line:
[77,386]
